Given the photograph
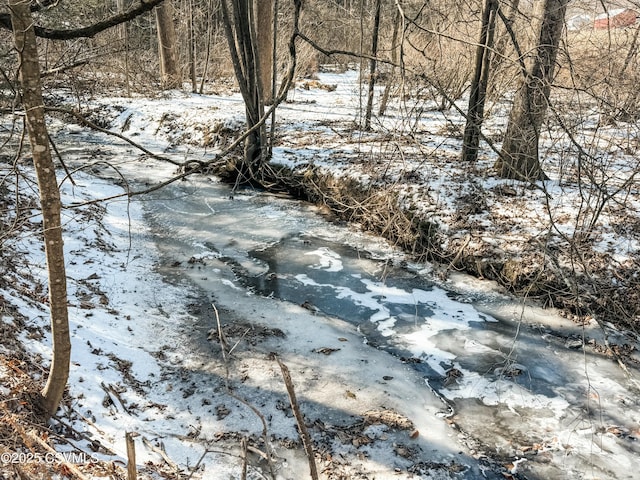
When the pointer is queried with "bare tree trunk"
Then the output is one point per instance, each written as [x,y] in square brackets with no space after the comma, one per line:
[191,45]
[25,42]
[124,38]
[519,156]
[274,73]
[241,37]
[264,33]
[475,112]
[210,22]
[372,65]
[167,49]
[394,59]
[502,34]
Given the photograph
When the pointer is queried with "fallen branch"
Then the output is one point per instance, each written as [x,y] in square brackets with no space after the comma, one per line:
[304,433]
[161,451]
[110,390]
[34,437]
[86,122]
[223,345]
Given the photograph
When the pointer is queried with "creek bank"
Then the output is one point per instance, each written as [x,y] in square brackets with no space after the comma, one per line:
[556,272]
[545,242]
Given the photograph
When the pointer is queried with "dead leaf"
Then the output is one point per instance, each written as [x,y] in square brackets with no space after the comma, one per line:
[389,418]
[325,350]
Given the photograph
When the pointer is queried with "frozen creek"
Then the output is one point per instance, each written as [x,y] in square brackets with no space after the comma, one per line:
[524,385]
[493,386]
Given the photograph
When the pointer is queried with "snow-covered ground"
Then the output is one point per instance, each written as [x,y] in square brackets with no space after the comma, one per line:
[144,359]
[137,365]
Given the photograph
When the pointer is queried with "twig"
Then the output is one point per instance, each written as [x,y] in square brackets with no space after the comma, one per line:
[110,390]
[453,262]
[223,346]
[64,165]
[304,433]
[197,466]
[161,451]
[82,434]
[267,455]
[243,448]
[239,340]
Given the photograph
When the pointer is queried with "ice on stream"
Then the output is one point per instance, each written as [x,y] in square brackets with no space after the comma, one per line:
[504,370]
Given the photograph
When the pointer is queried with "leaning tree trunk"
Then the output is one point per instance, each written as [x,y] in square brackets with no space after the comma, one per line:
[519,156]
[167,47]
[25,42]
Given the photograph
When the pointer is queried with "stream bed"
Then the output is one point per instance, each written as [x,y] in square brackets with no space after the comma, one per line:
[526,386]
[538,393]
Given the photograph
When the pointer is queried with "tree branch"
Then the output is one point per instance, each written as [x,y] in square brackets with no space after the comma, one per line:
[52,34]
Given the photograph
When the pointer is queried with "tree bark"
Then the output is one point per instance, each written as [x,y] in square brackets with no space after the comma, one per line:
[241,37]
[519,157]
[395,47]
[264,33]
[25,42]
[373,65]
[475,112]
[191,45]
[167,47]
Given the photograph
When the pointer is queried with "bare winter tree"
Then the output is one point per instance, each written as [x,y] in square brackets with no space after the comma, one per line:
[25,42]
[519,155]
[167,47]
[240,28]
[479,82]
[264,37]
[373,64]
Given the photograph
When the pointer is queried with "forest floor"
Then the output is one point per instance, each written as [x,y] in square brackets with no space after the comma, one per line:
[571,242]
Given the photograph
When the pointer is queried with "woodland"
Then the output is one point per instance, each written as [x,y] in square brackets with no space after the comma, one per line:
[496,139]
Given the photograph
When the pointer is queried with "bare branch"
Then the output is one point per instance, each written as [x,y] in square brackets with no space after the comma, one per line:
[91,30]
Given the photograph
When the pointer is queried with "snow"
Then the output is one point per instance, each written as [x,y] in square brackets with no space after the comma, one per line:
[137,333]
[144,322]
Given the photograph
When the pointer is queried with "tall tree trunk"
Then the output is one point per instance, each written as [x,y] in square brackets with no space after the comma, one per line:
[475,112]
[372,65]
[264,33]
[124,38]
[519,156]
[241,37]
[395,54]
[167,48]
[25,42]
[191,45]
[210,23]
